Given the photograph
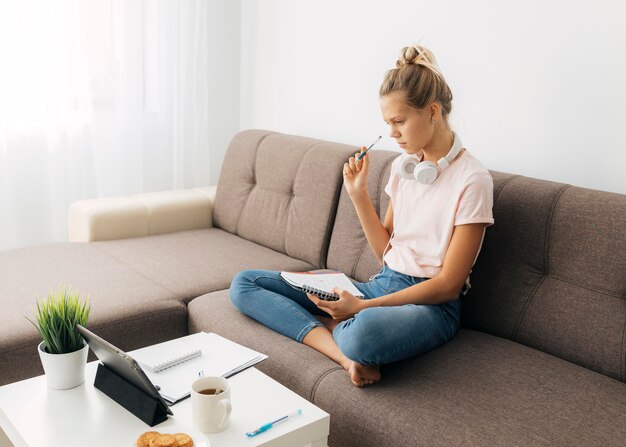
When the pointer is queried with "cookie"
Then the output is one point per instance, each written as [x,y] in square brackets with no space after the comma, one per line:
[163,441]
[183,440]
[144,439]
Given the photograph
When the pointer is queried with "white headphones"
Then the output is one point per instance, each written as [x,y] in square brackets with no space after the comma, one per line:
[426,172]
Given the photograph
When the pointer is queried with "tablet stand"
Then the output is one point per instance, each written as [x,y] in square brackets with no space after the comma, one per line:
[138,402]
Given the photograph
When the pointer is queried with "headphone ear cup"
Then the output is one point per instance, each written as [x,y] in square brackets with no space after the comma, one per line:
[426,172]
[407,168]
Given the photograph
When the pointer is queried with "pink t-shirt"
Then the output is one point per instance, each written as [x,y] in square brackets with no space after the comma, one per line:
[425,215]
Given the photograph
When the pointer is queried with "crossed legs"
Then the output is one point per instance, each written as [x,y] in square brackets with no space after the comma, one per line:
[374,337]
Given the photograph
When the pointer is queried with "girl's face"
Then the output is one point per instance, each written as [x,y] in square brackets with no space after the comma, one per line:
[411,128]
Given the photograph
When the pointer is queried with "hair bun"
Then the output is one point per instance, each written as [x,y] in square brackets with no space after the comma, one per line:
[418,55]
[408,56]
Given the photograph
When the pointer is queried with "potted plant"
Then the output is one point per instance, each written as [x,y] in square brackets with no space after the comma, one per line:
[63,351]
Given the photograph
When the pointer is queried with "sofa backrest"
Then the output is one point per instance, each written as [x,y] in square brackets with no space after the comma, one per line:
[281,191]
[551,273]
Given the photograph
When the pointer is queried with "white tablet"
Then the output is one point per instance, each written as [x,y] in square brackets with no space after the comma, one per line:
[122,363]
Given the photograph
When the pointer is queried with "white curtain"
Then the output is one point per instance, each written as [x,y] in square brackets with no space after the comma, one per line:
[98,98]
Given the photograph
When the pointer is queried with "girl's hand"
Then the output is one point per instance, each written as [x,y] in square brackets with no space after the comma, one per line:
[347,306]
[355,174]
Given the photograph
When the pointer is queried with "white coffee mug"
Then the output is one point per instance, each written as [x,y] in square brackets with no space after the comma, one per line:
[210,404]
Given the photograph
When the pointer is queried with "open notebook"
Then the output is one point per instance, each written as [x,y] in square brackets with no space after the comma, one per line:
[321,284]
[218,357]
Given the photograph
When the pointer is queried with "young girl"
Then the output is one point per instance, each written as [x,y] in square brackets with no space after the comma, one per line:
[430,238]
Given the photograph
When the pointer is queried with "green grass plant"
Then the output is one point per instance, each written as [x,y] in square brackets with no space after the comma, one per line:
[56,317]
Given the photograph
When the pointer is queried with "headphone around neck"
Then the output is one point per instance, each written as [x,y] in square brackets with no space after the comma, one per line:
[426,172]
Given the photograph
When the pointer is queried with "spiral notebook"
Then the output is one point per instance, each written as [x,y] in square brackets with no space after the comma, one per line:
[321,284]
[170,353]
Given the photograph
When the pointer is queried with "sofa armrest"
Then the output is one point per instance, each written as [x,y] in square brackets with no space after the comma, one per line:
[141,215]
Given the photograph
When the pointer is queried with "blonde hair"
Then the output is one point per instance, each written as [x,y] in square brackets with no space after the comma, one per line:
[418,76]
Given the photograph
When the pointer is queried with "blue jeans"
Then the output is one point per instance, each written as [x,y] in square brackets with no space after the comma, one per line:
[374,336]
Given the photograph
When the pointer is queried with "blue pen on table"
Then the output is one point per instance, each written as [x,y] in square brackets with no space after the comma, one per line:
[362,154]
[269,425]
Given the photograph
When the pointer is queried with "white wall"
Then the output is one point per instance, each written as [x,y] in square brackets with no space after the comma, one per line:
[224,86]
[539,86]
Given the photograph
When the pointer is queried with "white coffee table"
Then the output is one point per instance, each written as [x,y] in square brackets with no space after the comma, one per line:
[85,416]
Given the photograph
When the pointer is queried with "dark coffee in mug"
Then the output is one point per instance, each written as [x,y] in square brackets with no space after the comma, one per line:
[210,391]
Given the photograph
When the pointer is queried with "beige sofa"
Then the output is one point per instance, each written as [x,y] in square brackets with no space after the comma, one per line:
[540,358]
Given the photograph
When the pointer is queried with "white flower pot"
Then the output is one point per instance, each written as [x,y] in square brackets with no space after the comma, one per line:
[64,371]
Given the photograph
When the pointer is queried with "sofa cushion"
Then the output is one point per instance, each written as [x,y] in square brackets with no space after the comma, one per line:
[127,308]
[281,191]
[192,263]
[477,390]
[551,272]
[295,365]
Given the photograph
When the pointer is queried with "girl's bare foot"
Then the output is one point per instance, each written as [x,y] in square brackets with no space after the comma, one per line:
[362,375]
[321,339]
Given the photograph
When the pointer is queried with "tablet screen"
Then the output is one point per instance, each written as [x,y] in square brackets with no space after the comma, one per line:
[122,363]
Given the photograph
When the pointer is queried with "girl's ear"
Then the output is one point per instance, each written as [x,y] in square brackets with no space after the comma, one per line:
[435,111]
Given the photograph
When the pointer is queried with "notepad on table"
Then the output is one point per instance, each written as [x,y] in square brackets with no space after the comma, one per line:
[168,354]
[321,284]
